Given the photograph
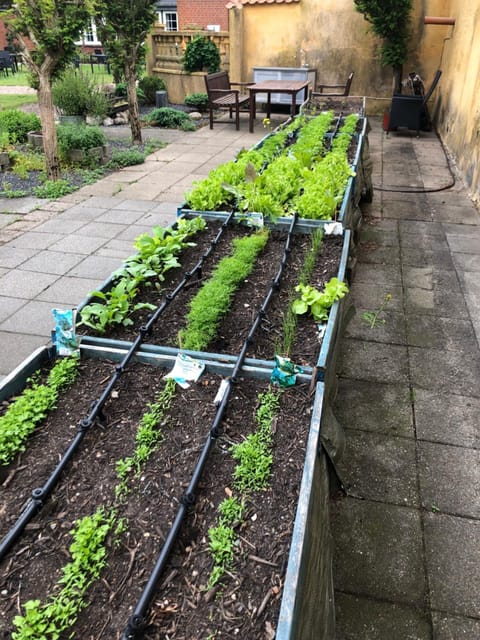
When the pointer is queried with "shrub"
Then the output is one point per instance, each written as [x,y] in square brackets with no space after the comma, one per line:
[197,100]
[79,137]
[121,92]
[16,124]
[169,118]
[127,158]
[201,53]
[149,85]
[75,94]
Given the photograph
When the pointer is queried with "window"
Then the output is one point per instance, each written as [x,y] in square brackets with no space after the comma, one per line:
[90,36]
[169,19]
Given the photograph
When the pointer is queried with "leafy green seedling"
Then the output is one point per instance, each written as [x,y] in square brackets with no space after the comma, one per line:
[372,317]
[318,303]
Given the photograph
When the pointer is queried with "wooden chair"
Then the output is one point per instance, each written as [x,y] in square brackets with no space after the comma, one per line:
[338,89]
[221,96]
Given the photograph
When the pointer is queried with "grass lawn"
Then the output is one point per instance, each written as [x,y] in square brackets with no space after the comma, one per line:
[20,78]
[12,101]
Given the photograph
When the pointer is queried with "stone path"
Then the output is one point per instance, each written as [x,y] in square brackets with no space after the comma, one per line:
[407,538]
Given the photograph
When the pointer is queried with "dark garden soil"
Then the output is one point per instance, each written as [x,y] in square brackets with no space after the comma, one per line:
[247,603]
[248,300]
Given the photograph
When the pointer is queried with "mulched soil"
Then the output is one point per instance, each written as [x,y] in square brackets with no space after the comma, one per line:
[247,604]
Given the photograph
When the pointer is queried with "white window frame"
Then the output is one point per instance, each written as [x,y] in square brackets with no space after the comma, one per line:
[164,18]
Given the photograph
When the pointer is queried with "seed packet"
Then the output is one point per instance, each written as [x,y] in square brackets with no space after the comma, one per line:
[285,372]
[63,336]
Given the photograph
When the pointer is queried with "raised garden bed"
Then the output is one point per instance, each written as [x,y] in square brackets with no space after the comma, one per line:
[280,545]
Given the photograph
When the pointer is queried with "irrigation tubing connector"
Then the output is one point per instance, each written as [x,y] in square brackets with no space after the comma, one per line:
[36,503]
[137,623]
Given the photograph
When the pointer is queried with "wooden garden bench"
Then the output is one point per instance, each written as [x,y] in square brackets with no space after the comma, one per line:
[221,96]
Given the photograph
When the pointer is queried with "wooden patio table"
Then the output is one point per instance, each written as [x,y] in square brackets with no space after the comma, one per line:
[289,87]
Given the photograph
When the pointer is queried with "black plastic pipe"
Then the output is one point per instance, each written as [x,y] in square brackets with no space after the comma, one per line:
[138,622]
[41,494]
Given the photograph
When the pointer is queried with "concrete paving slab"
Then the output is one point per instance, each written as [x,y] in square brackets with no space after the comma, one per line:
[450,479]
[457,230]
[423,242]
[16,347]
[35,240]
[51,262]
[371,296]
[380,468]
[20,205]
[378,551]
[61,225]
[8,306]
[373,361]
[452,546]
[438,303]
[12,256]
[81,213]
[80,244]
[373,253]
[423,257]
[374,407]
[449,371]
[466,261]
[399,210]
[367,619]
[454,628]
[448,418]
[440,333]
[419,229]
[69,290]
[6,219]
[25,284]
[389,327]
[158,219]
[458,215]
[95,267]
[377,234]
[120,249]
[107,230]
[469,244]
[378,274]
[34,318]
[120,216]
[133,231]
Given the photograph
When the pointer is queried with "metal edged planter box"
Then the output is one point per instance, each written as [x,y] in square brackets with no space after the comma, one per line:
[306,611]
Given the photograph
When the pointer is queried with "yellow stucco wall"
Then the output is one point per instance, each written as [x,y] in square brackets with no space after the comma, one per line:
[331,37]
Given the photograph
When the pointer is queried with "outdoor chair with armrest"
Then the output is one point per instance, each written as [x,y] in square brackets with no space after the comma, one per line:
[221,96]
[334,89]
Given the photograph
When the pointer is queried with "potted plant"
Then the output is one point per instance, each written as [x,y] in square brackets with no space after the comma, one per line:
[75,95]
[81,143]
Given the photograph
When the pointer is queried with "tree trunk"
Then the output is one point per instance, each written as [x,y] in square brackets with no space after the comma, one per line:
[49,132]
[131,81]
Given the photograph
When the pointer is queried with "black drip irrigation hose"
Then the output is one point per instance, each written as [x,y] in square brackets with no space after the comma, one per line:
[41,494]
[138,621]
[425,190]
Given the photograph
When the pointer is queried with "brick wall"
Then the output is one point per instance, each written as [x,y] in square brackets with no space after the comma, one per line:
[202,12]
[3,36]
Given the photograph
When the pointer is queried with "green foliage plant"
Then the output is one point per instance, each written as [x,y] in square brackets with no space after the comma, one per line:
[53,189]
[201,53]
[148,437]
[318,303]
[149,85]
[114,308]
[290,318]
[214,298]
[88,553]
[157,253]
[252,473]
[390,20]
[120,159]
[32,406]
[16,124]
[76,93]
[372,318]
[22,163]
[79,137]
[169,118]
[198,101]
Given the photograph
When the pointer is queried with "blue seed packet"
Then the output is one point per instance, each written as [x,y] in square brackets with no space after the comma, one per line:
[63,336]
[285,372]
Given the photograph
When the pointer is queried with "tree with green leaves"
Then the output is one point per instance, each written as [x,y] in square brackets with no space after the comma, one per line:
[123,26]
[46,31]
[390,20]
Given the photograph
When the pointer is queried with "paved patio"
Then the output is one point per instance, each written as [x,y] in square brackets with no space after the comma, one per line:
[407,537]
